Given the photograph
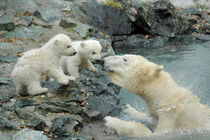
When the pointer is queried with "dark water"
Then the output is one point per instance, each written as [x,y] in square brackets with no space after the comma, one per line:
[189,66]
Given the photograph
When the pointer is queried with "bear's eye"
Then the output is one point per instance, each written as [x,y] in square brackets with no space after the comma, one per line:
[68,46]
[125,60]
[93,52]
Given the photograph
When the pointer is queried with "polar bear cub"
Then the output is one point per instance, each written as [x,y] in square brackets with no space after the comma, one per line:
[35,63]
[87,51]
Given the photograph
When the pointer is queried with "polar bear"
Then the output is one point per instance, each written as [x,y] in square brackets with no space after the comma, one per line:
[87,51]
[35,63]
[173,107]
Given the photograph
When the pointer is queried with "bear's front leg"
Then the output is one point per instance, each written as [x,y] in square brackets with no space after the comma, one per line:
[127,128]
[59,76]
[90,67]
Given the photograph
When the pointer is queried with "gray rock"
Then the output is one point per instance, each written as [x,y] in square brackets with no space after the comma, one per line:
[10,48]
[8,58]
[20,6]
[65,126]
[26,134]
[71,138]
[6,93]
[107,19]
[4,136]
[5,81]
[32,32]
[48,14]
[135,43]
[6,124]
[30,119]
[23,20]
[78,27]
[161,18]
[100,105]
[6,23]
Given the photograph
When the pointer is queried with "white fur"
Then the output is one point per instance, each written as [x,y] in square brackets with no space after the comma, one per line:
[87,51]
[35,63]
[173,107]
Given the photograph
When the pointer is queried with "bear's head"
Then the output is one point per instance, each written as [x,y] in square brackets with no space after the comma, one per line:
[131,71]
[63,45]
[91,49]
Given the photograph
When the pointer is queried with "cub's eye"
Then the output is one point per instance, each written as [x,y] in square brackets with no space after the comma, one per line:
[125,60]
[93,52]
[68,46]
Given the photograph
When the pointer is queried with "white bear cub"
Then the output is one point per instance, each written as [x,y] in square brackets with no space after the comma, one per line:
[35,63]
[87,51]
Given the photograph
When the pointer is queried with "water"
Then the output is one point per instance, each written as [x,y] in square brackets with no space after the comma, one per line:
[190,68]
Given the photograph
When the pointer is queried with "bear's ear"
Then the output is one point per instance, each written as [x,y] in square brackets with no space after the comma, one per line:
[156,71]
[56,42]
[82,44]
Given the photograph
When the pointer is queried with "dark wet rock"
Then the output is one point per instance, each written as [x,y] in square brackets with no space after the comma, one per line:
[65,126]
[6,23]
[6,124]
[26,134]
[82,29]
[161,18]
[23,20]
[100,105]
[107,19]
[8,58]
[48,14]
[137,42]
[30,119]
[4,136]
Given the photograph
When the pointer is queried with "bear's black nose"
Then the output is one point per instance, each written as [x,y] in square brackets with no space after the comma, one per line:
[74,53]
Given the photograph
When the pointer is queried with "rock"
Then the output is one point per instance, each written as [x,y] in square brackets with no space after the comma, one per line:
[65,126]
[26,134]
[78,27]
[20,6]
[71,138]
[4,136]
[100,105]
[4,80]
[107,19]
[6,23]
[9,48]
[23,20]
[135,43]
[160,18]
[6,124]
[6,93]
[48,14]
[32,32]
[107,49]
[8,58]
[30,119]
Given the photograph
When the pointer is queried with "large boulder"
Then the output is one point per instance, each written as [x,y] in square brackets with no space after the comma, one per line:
[26,134]
[110,20]
[160,18]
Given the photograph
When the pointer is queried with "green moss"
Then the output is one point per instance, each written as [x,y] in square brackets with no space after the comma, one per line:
[113,4]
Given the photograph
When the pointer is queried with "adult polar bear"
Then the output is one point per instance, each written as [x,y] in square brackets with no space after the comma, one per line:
[174,107]
[29,69]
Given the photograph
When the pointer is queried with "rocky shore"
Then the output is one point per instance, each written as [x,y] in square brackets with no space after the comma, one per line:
[77,111]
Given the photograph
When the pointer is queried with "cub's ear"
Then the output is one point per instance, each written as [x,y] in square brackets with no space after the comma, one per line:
[82,44]
[56,42]
[156,71]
